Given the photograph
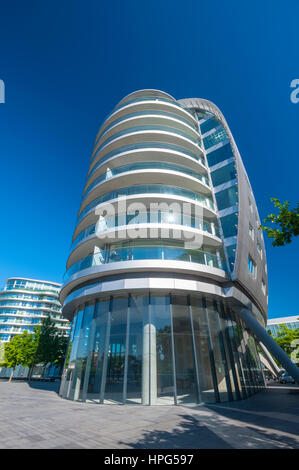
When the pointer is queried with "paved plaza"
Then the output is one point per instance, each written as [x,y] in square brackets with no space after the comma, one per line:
[35,417]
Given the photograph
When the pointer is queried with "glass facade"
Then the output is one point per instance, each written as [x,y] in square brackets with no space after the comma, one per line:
[159,349]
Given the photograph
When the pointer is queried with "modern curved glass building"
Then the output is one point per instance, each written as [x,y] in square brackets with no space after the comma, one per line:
[25,302]
[165,253]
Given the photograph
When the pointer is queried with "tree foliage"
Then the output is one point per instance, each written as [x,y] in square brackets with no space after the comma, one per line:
[286,339]
[20,350]
[287,223]
[51,345]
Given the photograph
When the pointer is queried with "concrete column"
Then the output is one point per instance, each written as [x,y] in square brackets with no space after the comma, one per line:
[149,365]
[270,343]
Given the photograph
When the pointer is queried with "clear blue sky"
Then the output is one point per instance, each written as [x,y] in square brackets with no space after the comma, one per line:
[66,63]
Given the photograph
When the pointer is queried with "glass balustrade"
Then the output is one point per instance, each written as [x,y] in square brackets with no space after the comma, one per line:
[116,254]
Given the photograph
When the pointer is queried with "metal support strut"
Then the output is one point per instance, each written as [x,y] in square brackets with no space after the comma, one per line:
[263,336]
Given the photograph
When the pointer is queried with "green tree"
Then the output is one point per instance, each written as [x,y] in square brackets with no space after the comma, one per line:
[51,345]
[287,223]
[44,346]
[286,339]
[20,350]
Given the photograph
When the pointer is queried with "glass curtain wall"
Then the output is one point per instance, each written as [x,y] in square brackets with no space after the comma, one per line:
[160,349]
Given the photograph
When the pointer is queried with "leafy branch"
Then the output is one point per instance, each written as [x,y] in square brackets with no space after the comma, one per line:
[287,222]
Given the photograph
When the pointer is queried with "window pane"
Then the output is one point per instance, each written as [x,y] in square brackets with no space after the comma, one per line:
[227,197]
[208,125]
[186,380]
[116,350]
[238,367]
[201,337]
[219,155]
[215,138]
[138,370]
[229,225]
[97,350]
[163,361]
[224,174]
[220,363]
[82,351]
[72,362]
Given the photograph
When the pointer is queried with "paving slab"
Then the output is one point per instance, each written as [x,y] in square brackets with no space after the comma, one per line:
[34,416]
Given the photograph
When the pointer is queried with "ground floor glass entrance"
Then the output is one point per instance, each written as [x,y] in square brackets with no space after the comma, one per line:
[159,349]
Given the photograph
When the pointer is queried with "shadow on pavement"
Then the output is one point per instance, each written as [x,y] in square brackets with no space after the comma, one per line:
[189,434]
[41,385]
[267,420]
[275,408]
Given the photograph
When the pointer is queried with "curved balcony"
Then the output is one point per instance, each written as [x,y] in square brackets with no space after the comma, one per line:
[148,251]
[148,103]
[14,305]
[140,134]
[12,295]
[34,302]
[153,189]
[148,217]
[100,234]
[147,166]
[150,176]
[148,200]
[151,151]
[148,117]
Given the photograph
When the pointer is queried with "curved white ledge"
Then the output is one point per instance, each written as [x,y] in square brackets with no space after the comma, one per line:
[121,267]
[147,120]
[149,104]
[147,155]
[141,136]
[146,177]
